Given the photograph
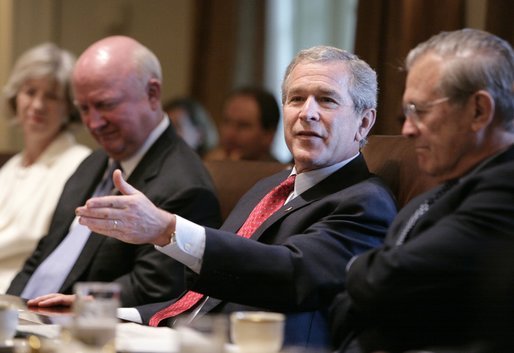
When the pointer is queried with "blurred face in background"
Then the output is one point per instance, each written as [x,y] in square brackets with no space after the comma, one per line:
[41,108]
[185,128]
[242,135]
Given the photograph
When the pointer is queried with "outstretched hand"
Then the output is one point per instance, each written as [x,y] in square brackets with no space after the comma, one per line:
[130,217]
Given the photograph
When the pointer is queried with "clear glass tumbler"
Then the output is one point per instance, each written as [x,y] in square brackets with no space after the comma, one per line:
[95,307]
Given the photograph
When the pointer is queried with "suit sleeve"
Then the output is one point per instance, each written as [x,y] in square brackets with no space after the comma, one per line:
[458,259]
[298,263]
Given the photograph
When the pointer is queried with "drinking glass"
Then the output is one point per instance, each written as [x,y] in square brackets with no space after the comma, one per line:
[257,331]
[95,306]
[208,333]
[8,322]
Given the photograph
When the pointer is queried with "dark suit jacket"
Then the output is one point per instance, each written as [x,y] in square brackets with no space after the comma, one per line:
[313,237]
[172,177]
[451,284]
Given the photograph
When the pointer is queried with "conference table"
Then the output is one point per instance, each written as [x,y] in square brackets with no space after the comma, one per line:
[50,330]
[47,330]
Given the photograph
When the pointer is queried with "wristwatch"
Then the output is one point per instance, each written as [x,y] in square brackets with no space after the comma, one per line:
[172,239]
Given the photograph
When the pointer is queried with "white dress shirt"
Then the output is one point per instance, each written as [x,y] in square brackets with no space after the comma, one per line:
[51,273]
[189,244]
[28,197]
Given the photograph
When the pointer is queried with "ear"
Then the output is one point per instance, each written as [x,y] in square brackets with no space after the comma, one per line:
[153,90]
[483,108]
[366,122]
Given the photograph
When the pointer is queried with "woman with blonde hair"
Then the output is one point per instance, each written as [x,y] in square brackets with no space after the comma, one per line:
[38,95]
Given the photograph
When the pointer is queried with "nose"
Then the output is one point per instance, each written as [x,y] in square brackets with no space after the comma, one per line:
[310,109]
[38,102]
[409,129]
[228,134]
[93,119]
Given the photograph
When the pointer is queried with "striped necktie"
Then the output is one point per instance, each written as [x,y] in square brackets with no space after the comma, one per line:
[421,210]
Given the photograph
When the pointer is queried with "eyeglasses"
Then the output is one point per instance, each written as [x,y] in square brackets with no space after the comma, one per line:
[414,112]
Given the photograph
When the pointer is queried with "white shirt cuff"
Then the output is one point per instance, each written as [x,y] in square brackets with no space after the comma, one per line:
[189,244]
[129,314]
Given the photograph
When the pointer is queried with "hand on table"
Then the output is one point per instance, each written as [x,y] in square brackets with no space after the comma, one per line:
[54,299]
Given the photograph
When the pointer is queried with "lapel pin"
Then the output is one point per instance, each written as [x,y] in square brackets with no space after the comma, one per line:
[288,209]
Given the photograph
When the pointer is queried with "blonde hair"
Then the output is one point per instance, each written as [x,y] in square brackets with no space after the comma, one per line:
[43,61]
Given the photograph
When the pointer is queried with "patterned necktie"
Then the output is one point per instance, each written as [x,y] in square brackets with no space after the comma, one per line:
[264,209]
[421,210]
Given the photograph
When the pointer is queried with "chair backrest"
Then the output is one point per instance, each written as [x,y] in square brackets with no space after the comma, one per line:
[233,178]
[393,158]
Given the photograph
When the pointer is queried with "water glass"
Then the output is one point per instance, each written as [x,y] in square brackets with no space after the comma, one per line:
[257,331]
[95,308]
[8,322]
[208,333]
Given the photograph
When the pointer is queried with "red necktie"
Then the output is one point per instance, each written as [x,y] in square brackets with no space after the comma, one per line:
[265,208]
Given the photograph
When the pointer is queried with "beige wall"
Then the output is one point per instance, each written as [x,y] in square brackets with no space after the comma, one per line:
[164,26]
[5,62]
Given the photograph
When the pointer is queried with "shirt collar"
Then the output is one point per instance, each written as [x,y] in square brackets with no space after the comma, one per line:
[306,180]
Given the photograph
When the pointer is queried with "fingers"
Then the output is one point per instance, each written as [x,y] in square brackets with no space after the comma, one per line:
[104,202]
[103,225]
[114,201]
[54,299]
[120,183]
[98,209]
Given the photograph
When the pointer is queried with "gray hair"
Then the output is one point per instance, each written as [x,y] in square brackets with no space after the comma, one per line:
[474,60]
[363,85]
[43,61]
[147,64]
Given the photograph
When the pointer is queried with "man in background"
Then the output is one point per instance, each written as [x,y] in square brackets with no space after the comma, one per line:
[444,279]
[193,123]
[249,122]
[117,86]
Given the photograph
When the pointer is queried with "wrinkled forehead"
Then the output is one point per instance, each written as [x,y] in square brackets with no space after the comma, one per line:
[424,78]
[327,78]
[102,80]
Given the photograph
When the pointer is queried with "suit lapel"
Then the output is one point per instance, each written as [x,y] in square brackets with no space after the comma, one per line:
[245,206]
[80,187]
[147,169]
[434,212]
[350,174]
[150,165]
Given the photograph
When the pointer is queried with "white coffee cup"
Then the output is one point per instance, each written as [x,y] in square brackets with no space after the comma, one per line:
[257,331]
[8,321]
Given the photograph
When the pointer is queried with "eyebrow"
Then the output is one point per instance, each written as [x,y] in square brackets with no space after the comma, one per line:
[319,91]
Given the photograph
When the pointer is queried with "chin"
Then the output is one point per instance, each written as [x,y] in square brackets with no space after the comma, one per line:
[303,165]
[117,154]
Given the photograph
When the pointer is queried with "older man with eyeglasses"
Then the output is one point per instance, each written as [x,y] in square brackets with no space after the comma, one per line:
[444,279]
